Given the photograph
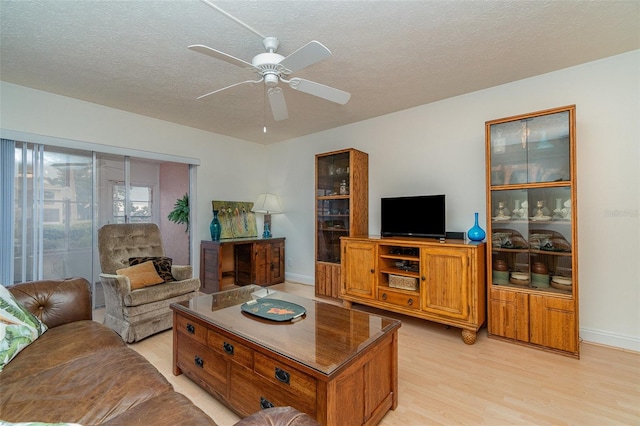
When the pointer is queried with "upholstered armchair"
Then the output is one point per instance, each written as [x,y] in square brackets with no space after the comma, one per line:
[137,308]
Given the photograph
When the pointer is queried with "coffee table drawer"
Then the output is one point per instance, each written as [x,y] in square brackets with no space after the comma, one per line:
[192,329]
[231,349]
[249,392]
[285,377]
[202,365]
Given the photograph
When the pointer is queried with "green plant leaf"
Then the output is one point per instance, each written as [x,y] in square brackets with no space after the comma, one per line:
[180,212]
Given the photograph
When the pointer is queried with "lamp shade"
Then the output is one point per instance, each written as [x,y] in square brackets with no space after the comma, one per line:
[267,204]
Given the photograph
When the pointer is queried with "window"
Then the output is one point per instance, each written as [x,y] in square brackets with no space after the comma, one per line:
[140,203]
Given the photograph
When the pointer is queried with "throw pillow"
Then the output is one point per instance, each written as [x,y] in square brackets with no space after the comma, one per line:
[162,265]
[18,327]
[142,275]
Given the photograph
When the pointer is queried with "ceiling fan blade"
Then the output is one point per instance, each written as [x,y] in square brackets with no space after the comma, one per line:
[229,87]
[308,54]
[320,90]
[221,55]
[278,104]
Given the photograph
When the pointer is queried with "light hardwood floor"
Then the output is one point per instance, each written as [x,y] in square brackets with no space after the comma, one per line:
[442,381]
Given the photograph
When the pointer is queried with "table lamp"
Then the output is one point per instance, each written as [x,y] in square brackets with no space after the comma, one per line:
[267,204]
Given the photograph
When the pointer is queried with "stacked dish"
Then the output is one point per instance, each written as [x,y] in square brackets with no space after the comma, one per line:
[561,283]
[519,278]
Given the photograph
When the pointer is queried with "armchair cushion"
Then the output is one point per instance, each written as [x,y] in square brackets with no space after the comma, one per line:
[141,275]
[161,263]
[18,327]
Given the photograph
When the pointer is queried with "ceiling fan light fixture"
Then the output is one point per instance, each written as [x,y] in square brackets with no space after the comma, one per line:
[271,80]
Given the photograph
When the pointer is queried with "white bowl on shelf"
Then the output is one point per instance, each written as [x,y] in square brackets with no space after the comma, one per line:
[562,280]
[520,276]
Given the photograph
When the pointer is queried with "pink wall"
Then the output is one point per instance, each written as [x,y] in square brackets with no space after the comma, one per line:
[174,183]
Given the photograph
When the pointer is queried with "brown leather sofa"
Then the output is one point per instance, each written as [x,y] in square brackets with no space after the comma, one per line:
[80,371]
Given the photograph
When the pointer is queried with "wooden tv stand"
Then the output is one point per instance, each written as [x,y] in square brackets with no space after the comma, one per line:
[440,281]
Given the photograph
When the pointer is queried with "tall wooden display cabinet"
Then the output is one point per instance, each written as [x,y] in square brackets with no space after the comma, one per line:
[342,209]
[532,263]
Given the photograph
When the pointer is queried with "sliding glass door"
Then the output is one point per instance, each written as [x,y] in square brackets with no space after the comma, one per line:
[53,213]
[59,199]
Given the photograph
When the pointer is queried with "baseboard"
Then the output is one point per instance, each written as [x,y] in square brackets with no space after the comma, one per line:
[299,278]
[610,339]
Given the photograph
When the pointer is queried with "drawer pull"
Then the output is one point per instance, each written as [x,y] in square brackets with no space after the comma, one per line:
[191,329]
[199,361]
[265,403]
[424,278]
[373,271]
[384,296]
[228,348]
[410,302]
[282,375]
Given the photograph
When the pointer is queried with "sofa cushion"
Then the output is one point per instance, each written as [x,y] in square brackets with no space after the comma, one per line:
[161,263]
[142,275]
[3,423]
[57,301]
[58,345]
[18,327]
[170,408]
[87,390]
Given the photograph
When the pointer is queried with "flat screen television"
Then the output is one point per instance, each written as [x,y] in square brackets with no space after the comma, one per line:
[416,216]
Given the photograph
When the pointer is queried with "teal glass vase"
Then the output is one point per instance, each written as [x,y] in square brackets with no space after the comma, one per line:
[476,233]
[215,228]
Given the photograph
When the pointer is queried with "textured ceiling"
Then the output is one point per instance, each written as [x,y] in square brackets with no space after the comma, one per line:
[390,55]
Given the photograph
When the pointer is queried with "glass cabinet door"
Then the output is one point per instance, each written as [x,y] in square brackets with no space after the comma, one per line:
[332,209]
[531,238]
[333,223]
[531,150]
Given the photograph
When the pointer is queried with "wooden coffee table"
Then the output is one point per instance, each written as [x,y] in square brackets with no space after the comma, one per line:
[338,365]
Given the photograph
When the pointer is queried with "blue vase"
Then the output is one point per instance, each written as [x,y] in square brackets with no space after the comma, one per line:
[476,233]
[215,228]
[267,231]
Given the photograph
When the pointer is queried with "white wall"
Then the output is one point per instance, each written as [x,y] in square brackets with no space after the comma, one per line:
[439,148]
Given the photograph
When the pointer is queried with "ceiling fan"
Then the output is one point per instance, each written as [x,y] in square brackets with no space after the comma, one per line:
[273,68]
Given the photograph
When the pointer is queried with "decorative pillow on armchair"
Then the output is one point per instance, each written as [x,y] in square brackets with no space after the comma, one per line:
[162,265]
[142,275]
[18,327]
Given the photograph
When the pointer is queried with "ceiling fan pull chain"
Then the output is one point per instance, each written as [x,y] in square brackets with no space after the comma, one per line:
[228,15]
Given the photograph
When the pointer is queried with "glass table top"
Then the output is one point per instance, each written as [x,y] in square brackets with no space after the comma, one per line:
[326,337]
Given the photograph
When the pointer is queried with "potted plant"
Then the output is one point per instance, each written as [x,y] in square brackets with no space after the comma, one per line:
[180,212]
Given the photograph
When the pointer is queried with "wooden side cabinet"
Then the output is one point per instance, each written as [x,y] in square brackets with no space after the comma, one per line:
[424,278]
[269,262]
[241,261]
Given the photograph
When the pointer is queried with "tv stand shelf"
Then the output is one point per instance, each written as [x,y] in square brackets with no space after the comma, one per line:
[426,278]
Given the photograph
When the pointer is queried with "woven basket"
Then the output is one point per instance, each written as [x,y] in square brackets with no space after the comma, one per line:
[405,283]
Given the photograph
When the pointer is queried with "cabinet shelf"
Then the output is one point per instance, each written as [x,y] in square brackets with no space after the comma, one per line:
[530,185]
[402,272]
[534,290]
[533,222]
[386,287]
[333,197]
[398,257]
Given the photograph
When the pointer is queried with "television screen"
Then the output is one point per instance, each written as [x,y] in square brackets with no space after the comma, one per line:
[417,216]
